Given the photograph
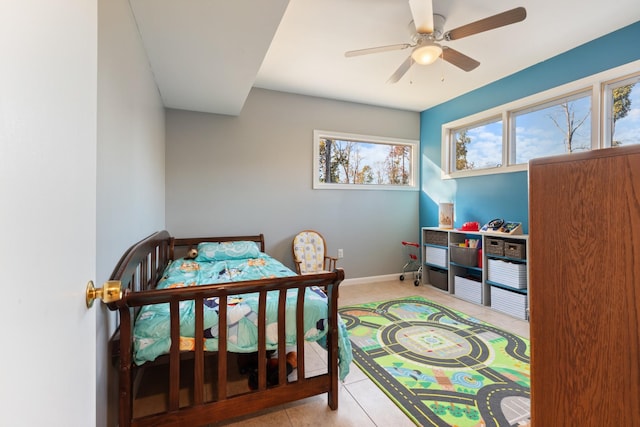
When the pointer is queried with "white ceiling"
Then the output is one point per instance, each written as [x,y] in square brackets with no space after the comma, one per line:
[207,54]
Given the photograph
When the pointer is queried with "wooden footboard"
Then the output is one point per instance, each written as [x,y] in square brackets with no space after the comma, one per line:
[139,271]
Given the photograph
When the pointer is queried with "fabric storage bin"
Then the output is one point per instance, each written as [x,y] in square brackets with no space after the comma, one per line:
[433,237]
[509,302]
[438,278]
[468,289]
[464,256]
[494,246]
[436,256]
[511,274]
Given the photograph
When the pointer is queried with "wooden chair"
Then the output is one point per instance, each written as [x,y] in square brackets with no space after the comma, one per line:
[309,253]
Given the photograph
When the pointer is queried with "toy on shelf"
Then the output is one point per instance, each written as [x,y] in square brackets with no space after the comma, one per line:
[499,225]
[470,226]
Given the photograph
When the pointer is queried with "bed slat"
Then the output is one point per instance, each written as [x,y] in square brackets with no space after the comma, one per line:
[198,370]
[174,356]
[262,339]
[300,334]
[332,344]
[282,337]
[222,346]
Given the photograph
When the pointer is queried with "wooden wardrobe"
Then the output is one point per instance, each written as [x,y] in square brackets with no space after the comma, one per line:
[584,234]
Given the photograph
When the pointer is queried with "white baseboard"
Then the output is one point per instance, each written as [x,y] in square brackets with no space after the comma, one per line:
[373,279]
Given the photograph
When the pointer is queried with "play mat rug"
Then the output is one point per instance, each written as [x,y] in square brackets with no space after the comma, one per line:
[440,366]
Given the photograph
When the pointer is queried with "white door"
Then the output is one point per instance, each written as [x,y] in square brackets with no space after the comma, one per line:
[48,87]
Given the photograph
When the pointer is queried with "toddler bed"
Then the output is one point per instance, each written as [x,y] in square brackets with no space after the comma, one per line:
[184,300]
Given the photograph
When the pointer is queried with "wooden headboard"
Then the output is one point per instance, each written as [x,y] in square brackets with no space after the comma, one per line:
[142,265]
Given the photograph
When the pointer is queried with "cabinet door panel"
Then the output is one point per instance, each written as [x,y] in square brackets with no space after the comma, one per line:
[585,288]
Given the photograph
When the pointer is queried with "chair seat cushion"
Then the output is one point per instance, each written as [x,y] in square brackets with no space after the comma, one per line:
[308,248]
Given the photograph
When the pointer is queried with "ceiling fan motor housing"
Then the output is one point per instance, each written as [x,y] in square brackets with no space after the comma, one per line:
[438,30]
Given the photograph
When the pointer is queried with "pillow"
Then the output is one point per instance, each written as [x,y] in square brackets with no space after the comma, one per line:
[220,251]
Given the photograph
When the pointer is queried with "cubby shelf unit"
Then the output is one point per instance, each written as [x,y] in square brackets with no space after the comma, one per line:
[496,274]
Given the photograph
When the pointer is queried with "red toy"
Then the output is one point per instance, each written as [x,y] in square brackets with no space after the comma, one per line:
[470,226]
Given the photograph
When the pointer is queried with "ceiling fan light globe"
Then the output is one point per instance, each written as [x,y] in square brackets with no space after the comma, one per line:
[427,54]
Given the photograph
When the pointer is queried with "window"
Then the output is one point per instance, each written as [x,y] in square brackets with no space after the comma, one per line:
[557,127]
[598,111]
[622,112]
[477,147]
[348,161]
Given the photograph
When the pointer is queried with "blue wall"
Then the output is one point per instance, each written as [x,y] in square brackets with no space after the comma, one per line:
[506,195]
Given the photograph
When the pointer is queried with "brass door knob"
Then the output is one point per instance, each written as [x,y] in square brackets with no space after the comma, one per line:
[110,291]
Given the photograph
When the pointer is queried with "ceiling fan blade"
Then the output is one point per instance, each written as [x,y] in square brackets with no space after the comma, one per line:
[496,21]
[422,12]
[378,49]
[402,69]
[458,59]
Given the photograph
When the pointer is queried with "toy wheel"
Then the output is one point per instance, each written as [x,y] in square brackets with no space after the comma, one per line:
[416,282]
[401,277]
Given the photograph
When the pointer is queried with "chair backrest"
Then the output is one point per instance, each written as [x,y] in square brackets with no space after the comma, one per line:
[309,251]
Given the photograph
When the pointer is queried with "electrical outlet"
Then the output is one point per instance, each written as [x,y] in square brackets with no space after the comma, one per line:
[340,253]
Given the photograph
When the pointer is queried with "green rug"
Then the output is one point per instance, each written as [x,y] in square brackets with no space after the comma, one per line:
[440,366]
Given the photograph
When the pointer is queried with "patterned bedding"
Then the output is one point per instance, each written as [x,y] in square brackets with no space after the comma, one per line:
[152,327]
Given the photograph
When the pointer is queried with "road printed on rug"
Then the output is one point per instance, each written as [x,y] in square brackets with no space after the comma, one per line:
[440,366]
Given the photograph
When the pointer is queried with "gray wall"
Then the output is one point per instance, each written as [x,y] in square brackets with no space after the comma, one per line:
[130,167]
[253,174]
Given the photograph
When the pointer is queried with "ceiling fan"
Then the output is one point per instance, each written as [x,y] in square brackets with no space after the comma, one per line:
[427,33]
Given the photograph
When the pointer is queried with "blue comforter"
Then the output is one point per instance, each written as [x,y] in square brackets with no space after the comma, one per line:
[152,327]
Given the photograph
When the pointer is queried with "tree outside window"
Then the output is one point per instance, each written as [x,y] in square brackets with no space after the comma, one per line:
[624,112]
[344,160]
[478,147]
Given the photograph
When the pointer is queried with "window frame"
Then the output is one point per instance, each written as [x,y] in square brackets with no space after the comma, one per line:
[414,164]
[450,157]
[595,84]
[553,102]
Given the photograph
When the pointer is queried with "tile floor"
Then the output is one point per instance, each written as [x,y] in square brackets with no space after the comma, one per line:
[361,402]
